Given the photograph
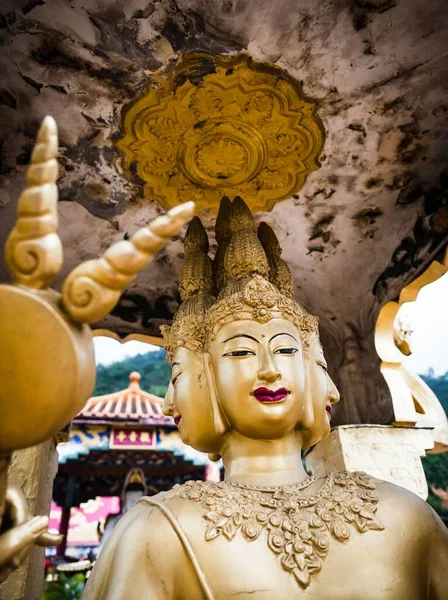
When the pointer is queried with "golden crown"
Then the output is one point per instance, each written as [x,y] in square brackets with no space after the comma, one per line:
[251,280]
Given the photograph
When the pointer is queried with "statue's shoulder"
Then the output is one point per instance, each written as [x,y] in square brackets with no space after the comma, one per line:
[175,501]
[144,518]
[403,506]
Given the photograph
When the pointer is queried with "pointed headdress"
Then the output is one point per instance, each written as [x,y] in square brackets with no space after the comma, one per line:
[249,276]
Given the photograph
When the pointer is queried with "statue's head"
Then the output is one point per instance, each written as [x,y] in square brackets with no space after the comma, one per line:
[321,391]
[253,356]
[188,398]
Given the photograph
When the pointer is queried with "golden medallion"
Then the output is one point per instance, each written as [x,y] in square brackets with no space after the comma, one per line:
[221,125]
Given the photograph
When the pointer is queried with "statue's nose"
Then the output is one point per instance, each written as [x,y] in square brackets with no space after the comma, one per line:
[333,393]
[268,370]
[168,404]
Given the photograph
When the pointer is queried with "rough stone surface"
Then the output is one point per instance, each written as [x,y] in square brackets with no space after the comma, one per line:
[388,453]
[34,469]
[363,226]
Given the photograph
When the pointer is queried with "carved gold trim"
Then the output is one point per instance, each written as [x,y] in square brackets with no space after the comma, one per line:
[221,125]
[132,337]
[409,392]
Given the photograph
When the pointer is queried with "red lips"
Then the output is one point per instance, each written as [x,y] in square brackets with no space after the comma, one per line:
[263,394]
[177,419]
[329,409]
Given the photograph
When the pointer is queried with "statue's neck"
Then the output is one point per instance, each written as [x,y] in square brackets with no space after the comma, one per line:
[263,462]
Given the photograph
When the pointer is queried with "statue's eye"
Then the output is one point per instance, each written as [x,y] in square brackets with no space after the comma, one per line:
[176,377]
[324,366]
[240,353]
[286,351]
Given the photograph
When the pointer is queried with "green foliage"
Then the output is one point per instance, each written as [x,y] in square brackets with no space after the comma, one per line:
[69,587]
[436,465]
[439,386]
[152,366]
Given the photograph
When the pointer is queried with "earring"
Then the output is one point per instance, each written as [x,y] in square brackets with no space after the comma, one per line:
[307,420]
[220,422]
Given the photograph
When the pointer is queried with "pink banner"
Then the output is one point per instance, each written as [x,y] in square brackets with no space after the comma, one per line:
[84,521]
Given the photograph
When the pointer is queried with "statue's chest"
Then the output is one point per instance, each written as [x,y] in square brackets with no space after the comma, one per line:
[260,537]
[250,572]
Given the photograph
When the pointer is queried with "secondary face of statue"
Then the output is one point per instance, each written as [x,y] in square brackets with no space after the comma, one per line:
[188,401]
[322,391]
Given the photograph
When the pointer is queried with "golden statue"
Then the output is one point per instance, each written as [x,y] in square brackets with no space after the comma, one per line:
[47,366]
[249,384]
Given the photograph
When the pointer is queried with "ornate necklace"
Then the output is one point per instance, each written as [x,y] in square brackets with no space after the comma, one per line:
[298,526]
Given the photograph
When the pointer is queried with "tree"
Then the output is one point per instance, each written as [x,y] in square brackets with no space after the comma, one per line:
[436,465]
[152,366]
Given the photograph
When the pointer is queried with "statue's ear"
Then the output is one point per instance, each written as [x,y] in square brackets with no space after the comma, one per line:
[220,422]
[307,420]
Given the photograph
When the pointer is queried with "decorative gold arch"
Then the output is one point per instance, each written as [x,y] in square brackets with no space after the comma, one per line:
[132,337]
[413,401]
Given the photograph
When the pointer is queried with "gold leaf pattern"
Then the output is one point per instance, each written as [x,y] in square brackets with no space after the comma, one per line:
[298,526]
[206,103]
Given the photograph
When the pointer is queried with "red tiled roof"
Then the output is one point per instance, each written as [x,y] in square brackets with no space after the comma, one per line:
[132,404]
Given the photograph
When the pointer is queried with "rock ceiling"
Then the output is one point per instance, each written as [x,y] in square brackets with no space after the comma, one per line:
[364,224]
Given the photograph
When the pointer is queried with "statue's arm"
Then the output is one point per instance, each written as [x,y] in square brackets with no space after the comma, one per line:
[438,563]
[143,558]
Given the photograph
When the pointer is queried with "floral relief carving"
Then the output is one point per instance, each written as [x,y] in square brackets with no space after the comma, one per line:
[297,526]
[244,129]
[221,158]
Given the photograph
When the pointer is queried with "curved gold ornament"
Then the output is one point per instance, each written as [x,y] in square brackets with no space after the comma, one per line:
[93,288]
[409,392]
[222,125]
[33,250]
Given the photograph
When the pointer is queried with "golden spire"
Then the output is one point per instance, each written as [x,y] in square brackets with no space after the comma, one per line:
[33,249]
[245,255]
[196,274]
[280,274]
[223,234]
[196,286]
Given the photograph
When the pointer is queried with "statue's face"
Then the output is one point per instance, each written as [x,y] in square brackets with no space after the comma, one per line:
[323,394]
[188,401]
[259,376]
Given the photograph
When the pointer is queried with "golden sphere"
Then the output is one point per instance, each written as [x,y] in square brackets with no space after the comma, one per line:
[47,367]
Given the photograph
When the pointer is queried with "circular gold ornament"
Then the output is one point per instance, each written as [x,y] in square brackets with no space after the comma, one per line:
[221,126]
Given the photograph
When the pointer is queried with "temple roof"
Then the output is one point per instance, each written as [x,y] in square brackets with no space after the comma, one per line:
[132,404]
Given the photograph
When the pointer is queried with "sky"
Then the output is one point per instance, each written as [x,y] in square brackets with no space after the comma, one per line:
[428,317]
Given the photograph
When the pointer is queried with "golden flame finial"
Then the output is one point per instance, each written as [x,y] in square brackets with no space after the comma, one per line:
[33,249]
[196,286]
[280,274]
[196,274]
[245,254]
[223,233]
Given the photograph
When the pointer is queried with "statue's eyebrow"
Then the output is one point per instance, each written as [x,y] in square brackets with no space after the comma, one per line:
[175,364]
[244,335]
[283,333]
